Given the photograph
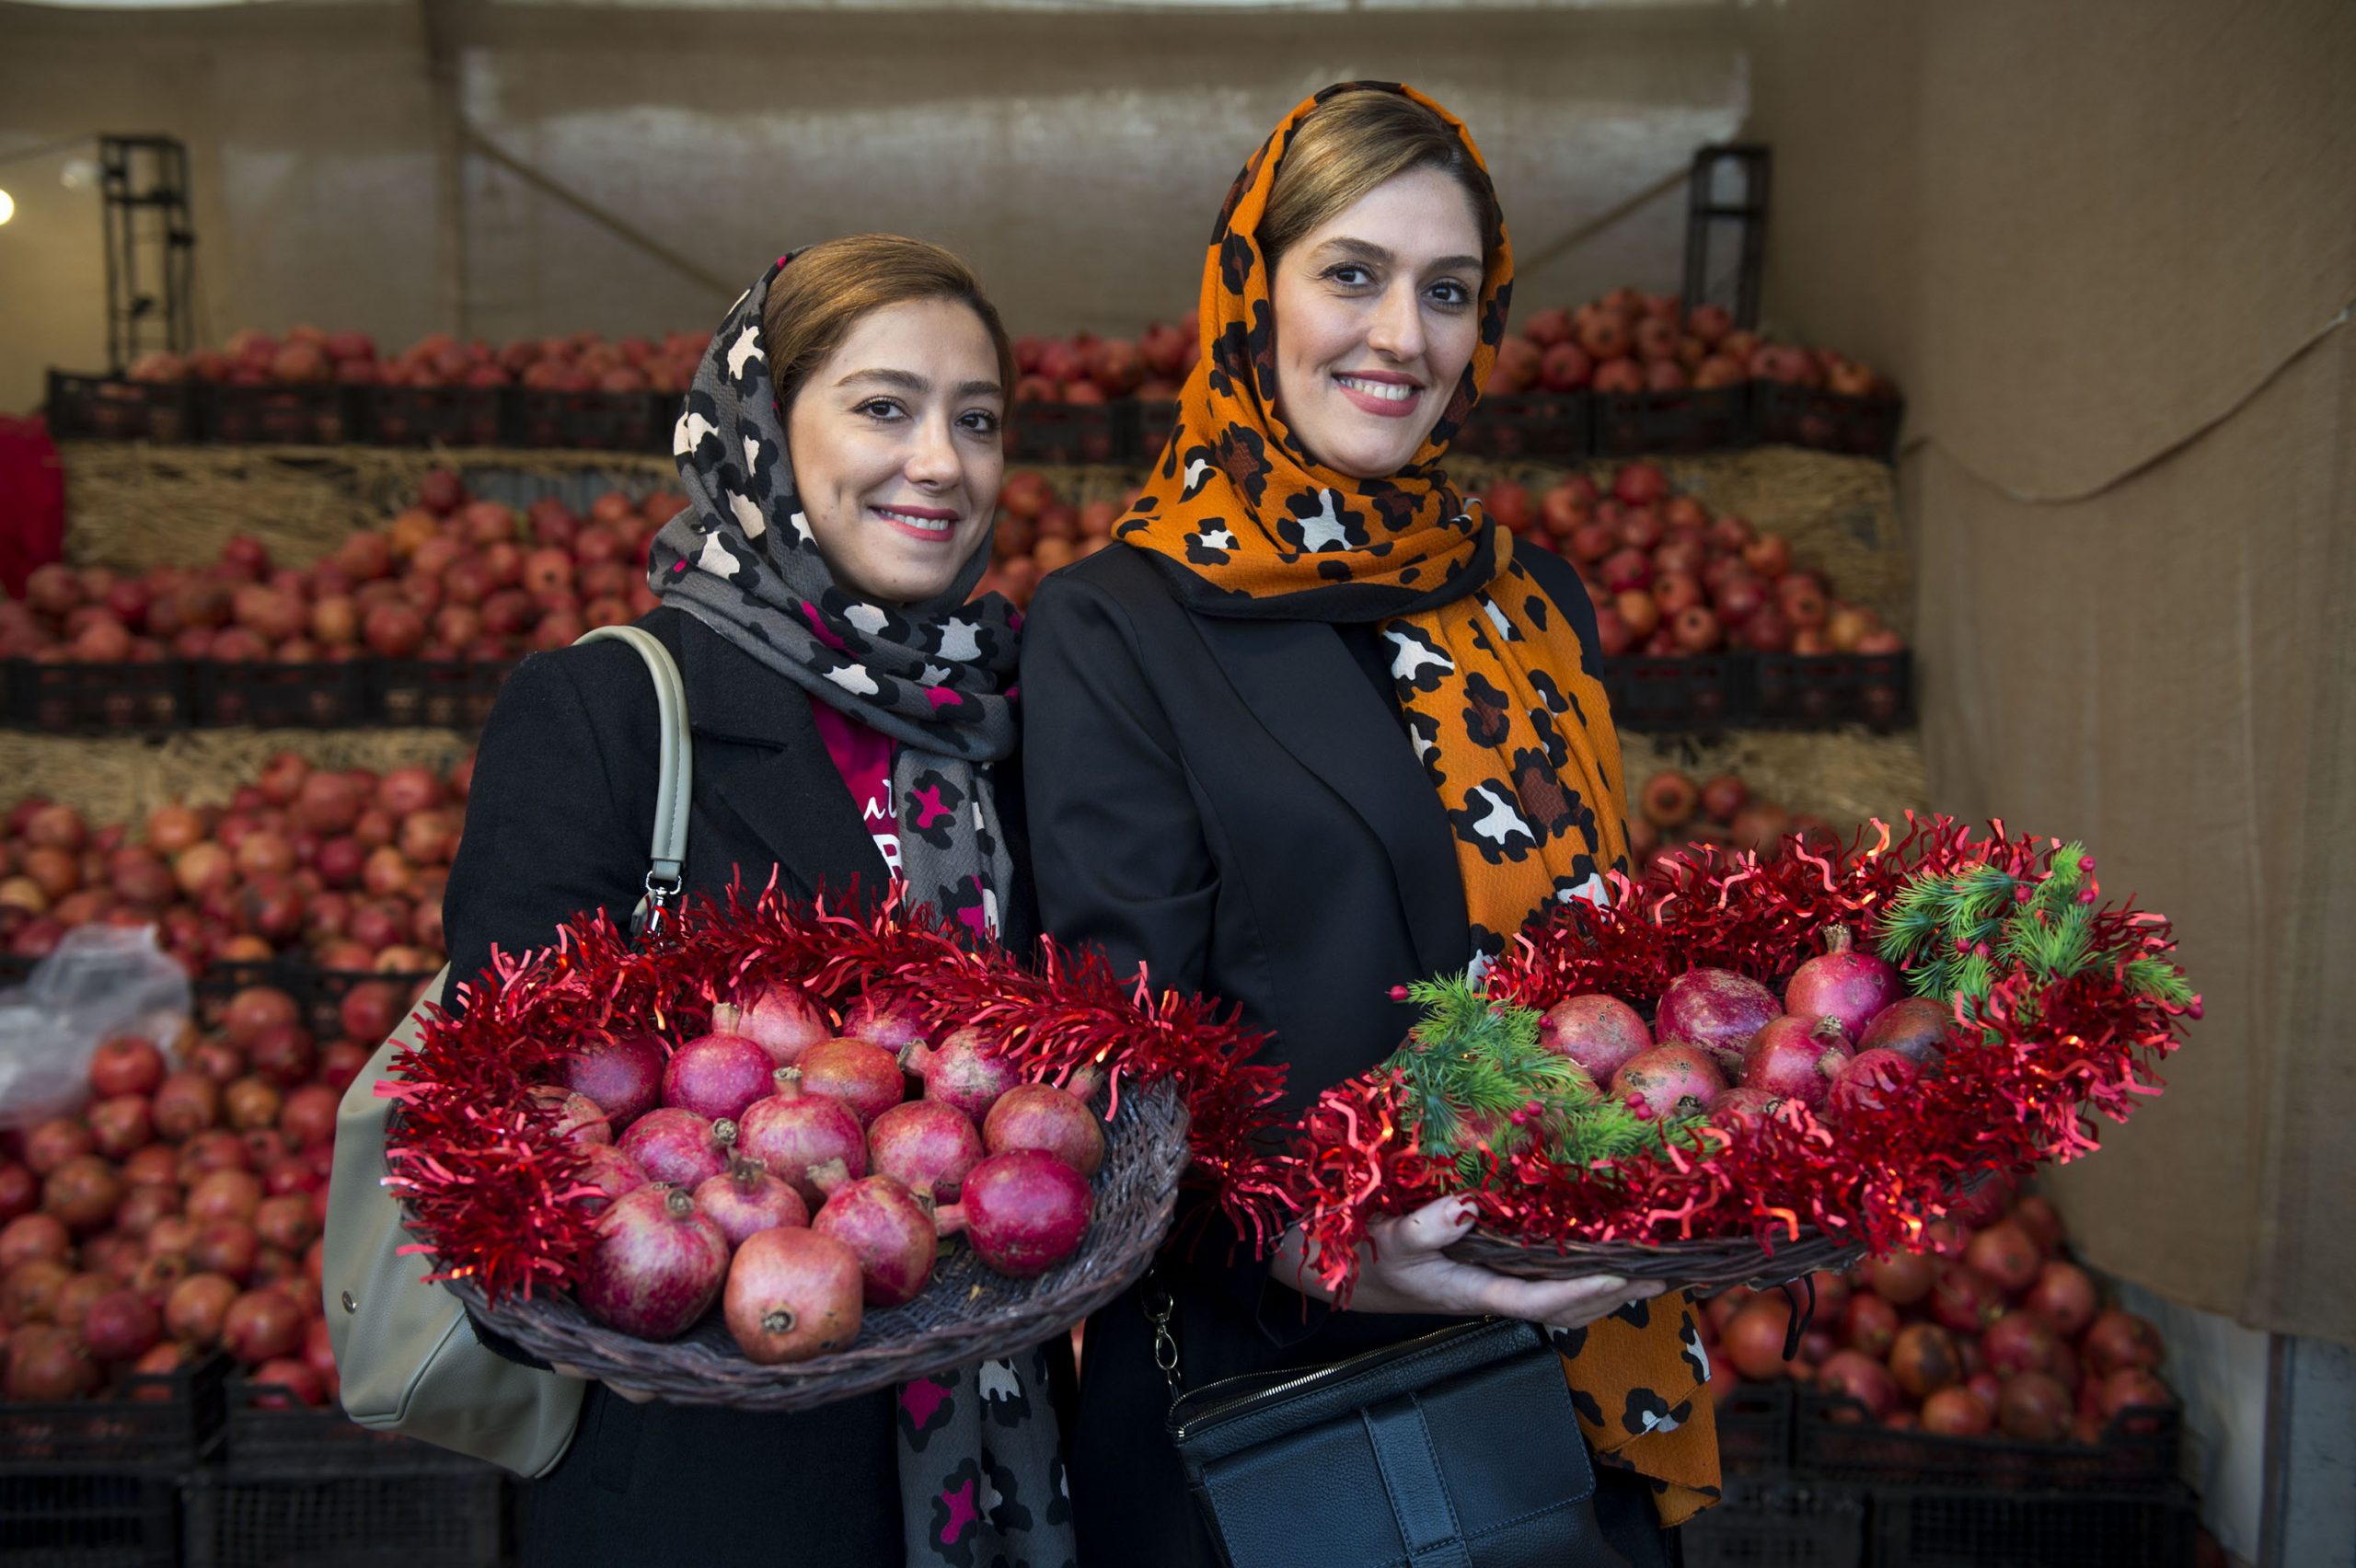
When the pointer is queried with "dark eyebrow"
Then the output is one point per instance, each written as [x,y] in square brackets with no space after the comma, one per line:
[1366,249]
[908,381]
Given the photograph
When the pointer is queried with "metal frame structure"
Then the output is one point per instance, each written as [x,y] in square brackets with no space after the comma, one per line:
[150,245]
[1709,213]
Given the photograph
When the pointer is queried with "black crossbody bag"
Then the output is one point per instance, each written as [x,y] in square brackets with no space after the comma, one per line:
[1459,1450]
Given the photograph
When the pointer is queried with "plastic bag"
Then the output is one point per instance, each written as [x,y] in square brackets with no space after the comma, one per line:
[102,981]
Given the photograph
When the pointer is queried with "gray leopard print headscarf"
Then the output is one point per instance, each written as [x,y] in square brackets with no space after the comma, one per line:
[937,677]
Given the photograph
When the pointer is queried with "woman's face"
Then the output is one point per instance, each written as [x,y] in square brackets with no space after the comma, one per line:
[896,450]
[1377,315]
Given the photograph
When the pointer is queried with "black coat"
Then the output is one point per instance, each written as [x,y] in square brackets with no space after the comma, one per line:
[558,821]
[1233,803]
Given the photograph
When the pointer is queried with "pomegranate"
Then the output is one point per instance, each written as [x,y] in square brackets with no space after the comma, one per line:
[1914,1026]
[283,1383]
[607,1169]
[924,1143]
[890,1230]
[2118,1340]
[745,1199]
[880,1019]
[2064,1296]
[2019,1342]
[82,1192]
[1024,1211]
[48,1365]
[230,1248]
[2034,1408]
[262,1325]
[623,1074]
[1743,1101]
[793,1293]
[125,1065]
[579,1121]
[962,1073]
[1717,1011]
[1671,1080]
[1989,1201]
[20,1190]
[865,1078]
[1925,1358]
[655,1266]
[1959,1412]
[1872,1081]
[1601,1034]
[783,1019]
[308,1116]
[1792,1060]
[54,1143]
[1845,985]
[716,1076]
[2007,1255]
[2133,1387]
[1963,1299]
[122,1325]
[226,1194]
[1851,1373]
[2034,1211]
[792,1131]
[1869,1324]
[1041,1116]
[675,1146]
[1754,1338]
[28,1292]
[186,1103]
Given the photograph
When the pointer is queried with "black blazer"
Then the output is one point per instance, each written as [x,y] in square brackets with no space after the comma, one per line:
[1234,803]
[558,821]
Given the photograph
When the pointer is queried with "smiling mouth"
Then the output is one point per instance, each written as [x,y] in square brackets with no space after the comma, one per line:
[928,522]
[1389,391]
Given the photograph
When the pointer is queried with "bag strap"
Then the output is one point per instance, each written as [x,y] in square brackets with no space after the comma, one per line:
[666,855]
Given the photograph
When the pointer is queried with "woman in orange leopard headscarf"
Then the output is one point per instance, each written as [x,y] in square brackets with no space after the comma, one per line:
[1316,726]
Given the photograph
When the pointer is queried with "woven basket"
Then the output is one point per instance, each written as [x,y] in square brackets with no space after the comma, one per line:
[968,1314]
[1698,1265]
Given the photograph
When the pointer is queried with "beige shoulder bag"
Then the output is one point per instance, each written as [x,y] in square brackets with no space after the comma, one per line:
[405,1350]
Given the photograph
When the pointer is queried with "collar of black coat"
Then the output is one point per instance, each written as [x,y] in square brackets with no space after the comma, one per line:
[795,799]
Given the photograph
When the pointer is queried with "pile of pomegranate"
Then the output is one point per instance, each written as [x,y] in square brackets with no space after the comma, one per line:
[448,577]
[306,356]
[1085,368]
[1843,1036]
[1038,531]
[1630,341]
[778,1167]
[1669,578]
[1990,1331]
[345,867]
[1673,812]
[180,1210]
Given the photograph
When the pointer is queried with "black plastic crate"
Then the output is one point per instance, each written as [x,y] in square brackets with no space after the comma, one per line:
[595,422]
[269,694]
[436,416]
[1547,427]
[1073,432]
[151,1425]
[1779,1524]
[449,694]
[1834,1438]
[1673,693]
[265,1443]
[301,416]
[1807,691]
[1976,1529]
[1156,418]
[107,407]
[97,1520]
[1754,1427]
[72,698]
[1830,421]
[1632,424]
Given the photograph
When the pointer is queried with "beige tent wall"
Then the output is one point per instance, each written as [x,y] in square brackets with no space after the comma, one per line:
[1077,158]
[2105,246]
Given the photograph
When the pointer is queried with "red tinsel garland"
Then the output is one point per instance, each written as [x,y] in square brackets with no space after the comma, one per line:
[492,1195]
[2032,1064]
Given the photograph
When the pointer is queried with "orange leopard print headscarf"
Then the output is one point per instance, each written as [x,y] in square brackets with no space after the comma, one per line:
[1514,735]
